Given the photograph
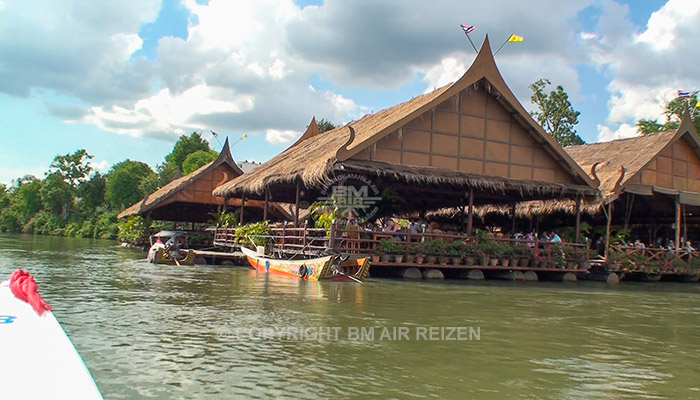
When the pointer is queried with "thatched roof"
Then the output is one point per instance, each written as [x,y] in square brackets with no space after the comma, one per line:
[313,158]
[160,196]
[634,154]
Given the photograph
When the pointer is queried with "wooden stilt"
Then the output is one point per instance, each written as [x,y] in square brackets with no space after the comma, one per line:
[267,201]
[678,224]
[242,209]
[607,230]
[578,219]
[470,214]
[296,204]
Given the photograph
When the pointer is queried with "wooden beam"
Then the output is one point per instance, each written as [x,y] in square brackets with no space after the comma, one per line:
[267,201]
[296,204]
[242,209]
[470,214]
[578,219]
[678,224]
[607,230]
[512,225]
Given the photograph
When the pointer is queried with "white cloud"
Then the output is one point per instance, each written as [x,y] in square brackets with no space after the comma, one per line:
[648,67]
[101,166]
[606,134]
[281,137]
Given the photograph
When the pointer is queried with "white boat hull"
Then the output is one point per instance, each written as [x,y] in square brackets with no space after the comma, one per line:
[38,360]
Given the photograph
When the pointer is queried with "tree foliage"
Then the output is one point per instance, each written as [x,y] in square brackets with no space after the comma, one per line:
[56,194]
[324,125]
[673,112]
[123,183]
[72,168]
[92,192]
[197,159]
[556,114]
[185,146]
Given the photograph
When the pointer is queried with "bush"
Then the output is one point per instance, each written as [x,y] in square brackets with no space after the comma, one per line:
[133,230]
[258,232]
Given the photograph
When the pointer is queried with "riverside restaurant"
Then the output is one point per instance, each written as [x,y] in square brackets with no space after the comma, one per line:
[467,144]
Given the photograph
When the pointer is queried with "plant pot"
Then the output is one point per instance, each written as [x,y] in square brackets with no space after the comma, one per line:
[570,264]
[430,259]
[410,259]
[505,262]
[493,262]
[485,260]
[471,260]
[384,258]
[524,262]
[443,260]
[419,259]
[375,258]
[398,258]
[456,260]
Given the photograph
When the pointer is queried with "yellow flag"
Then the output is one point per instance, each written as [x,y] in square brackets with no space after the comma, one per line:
[697,104]
[515,38]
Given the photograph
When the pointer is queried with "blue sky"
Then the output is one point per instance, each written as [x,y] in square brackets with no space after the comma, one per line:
[125,80]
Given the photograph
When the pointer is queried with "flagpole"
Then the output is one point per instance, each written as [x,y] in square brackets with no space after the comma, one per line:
[504,43]
[473,47]
[216,136]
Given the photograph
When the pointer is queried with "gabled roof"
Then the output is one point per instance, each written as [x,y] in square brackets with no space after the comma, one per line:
[634,154]
[312,160]
[156,198]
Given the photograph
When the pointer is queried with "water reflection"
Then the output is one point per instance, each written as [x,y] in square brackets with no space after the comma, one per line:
[165,332]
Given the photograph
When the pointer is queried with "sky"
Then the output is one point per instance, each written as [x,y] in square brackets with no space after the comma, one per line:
[124,80]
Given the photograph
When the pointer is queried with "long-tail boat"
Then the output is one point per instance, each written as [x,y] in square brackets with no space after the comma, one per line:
[173,252]
[330,268]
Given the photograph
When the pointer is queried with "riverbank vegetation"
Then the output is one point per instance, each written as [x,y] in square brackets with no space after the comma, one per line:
[73,199]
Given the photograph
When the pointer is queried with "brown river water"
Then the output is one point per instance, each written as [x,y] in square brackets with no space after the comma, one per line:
[148,331]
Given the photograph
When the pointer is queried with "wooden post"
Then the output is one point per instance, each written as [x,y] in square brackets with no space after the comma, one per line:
[678,223]
[607,230]
[267,200]
[296,204]
[461,218]
[242,208]
[578,219]
[512,224]
[470,213]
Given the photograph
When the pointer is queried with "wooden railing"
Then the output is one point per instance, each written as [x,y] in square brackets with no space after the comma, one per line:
[285,239]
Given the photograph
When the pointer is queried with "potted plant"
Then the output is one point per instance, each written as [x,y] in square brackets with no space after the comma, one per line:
[469,252]
[454,250]
[557,256]
[419,249]
[523,254]
[386,248]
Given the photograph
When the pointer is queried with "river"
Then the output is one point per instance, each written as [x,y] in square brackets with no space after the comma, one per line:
[148,331]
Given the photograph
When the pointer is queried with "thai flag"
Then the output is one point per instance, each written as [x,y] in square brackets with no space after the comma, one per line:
[683,93]
[467,29]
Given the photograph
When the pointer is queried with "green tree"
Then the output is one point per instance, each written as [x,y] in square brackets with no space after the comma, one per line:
[197,159]
[123,183]
[185,146]
[92,192]
[26,198]
[56,194]
[72,168]
[556,114]
[673,111]
[324,125]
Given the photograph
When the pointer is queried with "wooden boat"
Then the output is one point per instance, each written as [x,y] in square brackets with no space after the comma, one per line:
[38,360]
[159,253]
[330,268]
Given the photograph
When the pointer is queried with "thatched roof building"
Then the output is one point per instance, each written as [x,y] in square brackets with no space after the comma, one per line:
[190,199]
[469,136]
[666,162]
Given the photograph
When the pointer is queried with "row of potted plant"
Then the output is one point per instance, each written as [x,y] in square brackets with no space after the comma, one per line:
[486,252]
[636,262]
